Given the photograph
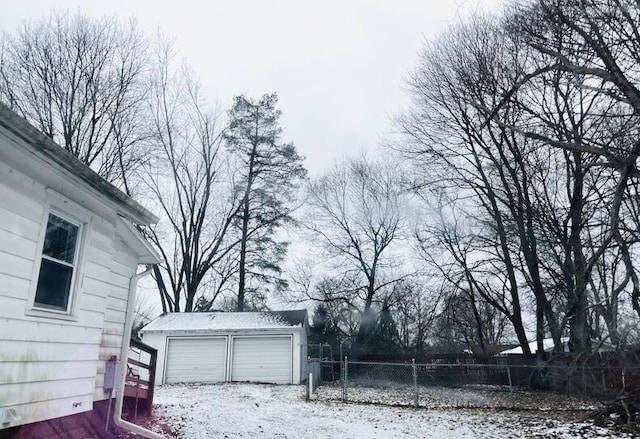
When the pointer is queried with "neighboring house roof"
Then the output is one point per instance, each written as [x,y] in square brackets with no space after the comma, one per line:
[221,321]
[547,343]
[57,157]
[491,349]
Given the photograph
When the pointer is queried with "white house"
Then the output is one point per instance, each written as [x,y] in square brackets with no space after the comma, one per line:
[266,347]
[68,259]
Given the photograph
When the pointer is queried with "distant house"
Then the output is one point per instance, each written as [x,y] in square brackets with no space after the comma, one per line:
[547,344]
[266,347]
[68,258]
[490,349]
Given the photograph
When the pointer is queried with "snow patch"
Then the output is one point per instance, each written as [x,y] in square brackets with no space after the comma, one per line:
[212,321]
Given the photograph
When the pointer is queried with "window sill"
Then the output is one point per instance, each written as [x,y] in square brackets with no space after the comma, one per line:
[51,314]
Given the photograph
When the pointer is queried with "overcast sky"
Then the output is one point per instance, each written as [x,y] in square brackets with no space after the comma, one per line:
[338,66]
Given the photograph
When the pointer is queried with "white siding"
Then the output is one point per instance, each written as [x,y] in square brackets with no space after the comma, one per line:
[52,367]
[121,267]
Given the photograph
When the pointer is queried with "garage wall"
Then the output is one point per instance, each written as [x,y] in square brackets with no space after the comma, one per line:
[303,355]
[158,341]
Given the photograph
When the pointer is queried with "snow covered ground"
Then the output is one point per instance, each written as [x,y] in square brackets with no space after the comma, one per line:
[471,397]
[270,412]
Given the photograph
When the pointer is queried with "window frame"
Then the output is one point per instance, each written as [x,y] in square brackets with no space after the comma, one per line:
[80,217]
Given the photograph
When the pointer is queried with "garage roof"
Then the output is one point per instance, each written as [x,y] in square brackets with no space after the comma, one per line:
[219,321]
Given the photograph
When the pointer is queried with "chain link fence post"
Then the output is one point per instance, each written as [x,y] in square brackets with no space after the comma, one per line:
[345,378]
[310,379]
[416,399]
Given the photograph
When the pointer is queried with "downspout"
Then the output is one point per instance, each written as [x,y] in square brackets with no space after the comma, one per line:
[124,353]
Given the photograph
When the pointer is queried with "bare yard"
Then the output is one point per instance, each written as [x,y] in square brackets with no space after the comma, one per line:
[267,411]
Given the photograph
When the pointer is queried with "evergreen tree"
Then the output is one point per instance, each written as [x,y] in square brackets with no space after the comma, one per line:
[323,328]
[383,339]
[272,171]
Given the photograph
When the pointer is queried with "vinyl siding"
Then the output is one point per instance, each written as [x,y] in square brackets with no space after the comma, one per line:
[51,367]
[121,266]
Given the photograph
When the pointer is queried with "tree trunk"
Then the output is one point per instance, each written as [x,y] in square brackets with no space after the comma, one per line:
[539,330]
[579,319]
[367,319]
[242,269]
[478,321]
[166,304]
[243,254]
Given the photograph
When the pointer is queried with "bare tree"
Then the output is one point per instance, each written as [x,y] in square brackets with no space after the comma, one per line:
[144,312]
[476,297]
[414,308]
[357,211]
[495,128]
[82,82]
[190,181]
[596,44]
[481,168]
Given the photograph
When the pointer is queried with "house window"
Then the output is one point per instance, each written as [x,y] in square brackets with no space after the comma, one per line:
[58,264]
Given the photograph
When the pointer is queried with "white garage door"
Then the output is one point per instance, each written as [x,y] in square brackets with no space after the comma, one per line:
[191,360]
[262,359]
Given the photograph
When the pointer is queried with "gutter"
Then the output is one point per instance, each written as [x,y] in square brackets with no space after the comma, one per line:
[124,353]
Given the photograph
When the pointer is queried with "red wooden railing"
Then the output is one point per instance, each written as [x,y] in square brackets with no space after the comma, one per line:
[138,392]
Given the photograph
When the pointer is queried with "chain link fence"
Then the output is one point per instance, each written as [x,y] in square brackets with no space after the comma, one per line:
[463,385]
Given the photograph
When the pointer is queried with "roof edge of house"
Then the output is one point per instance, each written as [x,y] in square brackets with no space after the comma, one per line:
[58,157]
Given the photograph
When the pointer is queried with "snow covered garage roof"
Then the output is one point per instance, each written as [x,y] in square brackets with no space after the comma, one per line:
[221,321]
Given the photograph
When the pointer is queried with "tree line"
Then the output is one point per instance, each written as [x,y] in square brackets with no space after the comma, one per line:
[521,145]
[524,132]
[506,205]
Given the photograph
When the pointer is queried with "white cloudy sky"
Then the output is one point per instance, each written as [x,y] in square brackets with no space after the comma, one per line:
[338,66]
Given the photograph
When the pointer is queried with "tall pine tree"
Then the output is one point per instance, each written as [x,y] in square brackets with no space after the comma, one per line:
[272,171]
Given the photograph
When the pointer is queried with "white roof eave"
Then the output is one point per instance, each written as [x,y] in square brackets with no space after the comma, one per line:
[145,252]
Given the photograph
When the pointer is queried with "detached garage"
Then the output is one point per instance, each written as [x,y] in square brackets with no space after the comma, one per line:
[265,347]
